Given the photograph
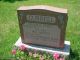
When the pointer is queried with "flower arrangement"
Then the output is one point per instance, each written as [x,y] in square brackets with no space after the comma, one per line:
[22,53]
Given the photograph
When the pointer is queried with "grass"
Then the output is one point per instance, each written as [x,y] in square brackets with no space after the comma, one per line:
[9,29]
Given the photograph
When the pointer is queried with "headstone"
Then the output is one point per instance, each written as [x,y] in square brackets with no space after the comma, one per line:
[42,25]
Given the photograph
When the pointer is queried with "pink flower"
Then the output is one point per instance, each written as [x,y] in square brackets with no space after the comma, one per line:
[35,50]
[61,59]
[22,47]
[14,52]
[56,56]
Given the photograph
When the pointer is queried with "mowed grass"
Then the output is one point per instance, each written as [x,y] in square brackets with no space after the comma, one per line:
[9,28]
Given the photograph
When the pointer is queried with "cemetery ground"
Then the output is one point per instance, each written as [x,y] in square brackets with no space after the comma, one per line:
[9,28]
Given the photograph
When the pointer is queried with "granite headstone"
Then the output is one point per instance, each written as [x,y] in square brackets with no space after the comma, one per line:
[43,25]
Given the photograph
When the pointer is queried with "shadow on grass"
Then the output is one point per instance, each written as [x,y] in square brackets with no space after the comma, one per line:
[12,1]
[73,55]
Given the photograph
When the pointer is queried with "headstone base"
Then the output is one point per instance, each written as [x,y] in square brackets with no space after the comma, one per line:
[64,51]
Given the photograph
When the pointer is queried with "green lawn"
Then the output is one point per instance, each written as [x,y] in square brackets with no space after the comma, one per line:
[9,29]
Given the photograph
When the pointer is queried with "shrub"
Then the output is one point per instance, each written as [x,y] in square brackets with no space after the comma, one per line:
[10,0]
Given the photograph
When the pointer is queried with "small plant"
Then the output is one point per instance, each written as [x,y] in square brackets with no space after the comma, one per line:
[19,53]
[22,53]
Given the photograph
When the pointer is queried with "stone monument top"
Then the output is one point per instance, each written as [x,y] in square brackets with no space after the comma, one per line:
[43,7]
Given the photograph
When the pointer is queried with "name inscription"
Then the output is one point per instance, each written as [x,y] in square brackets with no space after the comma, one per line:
[39,18]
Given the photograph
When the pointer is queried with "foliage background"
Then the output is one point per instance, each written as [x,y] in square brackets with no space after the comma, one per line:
[9,29]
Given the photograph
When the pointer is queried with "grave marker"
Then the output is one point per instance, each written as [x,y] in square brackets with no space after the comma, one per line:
[43,25]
